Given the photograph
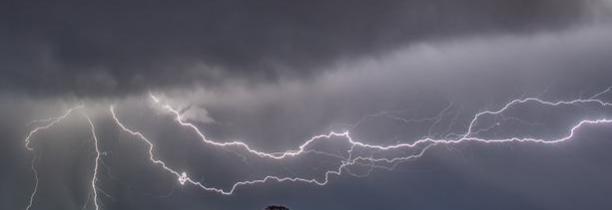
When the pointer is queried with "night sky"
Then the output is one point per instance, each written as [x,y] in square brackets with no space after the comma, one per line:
[272,74]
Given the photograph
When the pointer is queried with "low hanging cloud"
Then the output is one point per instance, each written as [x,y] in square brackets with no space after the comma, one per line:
[275,73]
[474,73]
[104,48]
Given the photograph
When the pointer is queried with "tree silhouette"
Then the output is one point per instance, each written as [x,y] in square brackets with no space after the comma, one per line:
[276,208]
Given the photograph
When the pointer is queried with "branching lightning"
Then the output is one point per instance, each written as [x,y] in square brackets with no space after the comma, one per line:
[50,122]
[427,142]
[417,147]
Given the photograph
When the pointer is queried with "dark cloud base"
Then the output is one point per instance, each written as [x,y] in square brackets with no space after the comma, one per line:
[274,73]
[114,48]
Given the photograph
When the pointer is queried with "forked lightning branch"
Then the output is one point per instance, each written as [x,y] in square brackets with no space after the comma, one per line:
[470,135]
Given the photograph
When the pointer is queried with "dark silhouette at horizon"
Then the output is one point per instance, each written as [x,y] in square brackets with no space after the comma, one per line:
[276,208]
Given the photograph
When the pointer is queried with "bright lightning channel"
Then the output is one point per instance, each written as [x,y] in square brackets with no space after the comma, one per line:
[50,122]
[183,178]
[422,145]
[97,161]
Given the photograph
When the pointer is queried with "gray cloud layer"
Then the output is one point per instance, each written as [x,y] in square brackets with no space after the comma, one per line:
[115,48]
[473,73]
[274,73]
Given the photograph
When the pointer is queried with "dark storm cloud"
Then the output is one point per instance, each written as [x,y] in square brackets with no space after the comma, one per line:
[409,58]
[474,74]
[119,47]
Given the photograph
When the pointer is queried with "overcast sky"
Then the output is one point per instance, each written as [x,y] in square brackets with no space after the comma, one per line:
[274,73]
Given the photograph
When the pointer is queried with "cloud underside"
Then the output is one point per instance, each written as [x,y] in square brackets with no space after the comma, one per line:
[120,48]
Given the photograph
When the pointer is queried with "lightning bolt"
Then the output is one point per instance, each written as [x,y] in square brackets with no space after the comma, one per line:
[97,161]
[428,142]
[35,172]
[419,147]
[50,122]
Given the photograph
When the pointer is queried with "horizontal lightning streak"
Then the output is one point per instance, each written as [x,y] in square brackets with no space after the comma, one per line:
[427,142]
[422,145]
